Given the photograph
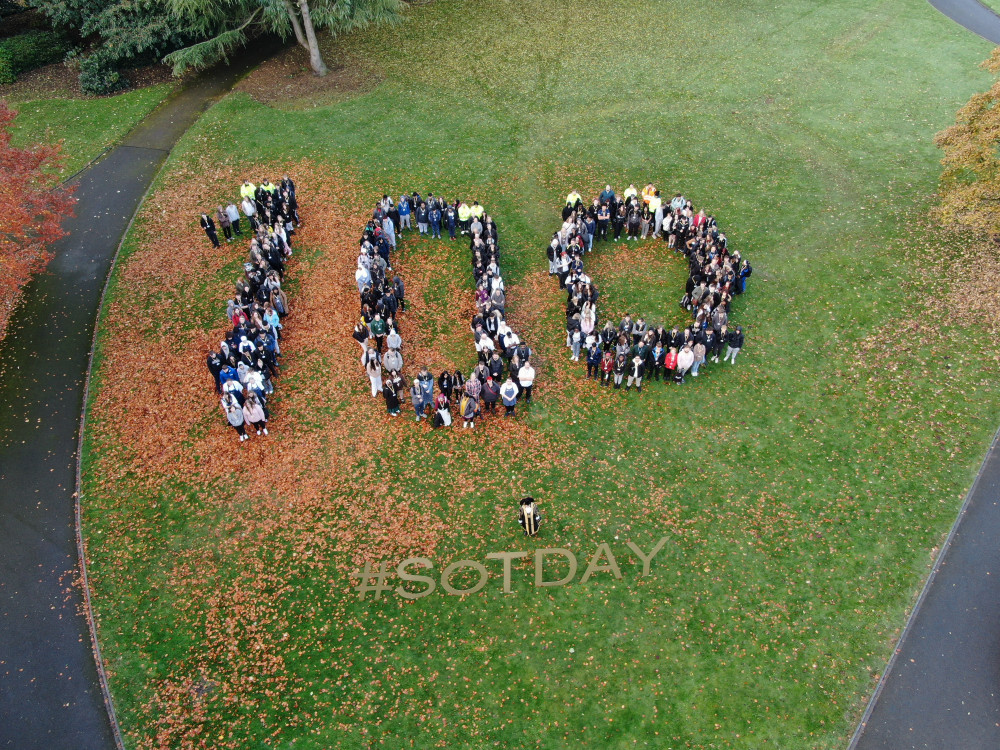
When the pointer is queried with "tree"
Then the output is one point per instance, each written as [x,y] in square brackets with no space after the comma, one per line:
[34,207]
[120,33]
[224,25]
[970,182]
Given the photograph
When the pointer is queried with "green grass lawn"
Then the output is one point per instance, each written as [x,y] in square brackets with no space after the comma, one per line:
[85,127]
[802,490]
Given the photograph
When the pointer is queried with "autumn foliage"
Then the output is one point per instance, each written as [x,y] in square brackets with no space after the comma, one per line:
[970,182]
[34,207]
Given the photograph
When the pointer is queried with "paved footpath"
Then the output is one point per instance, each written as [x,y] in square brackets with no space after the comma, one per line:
[973,15]
[941,689]
[50,695]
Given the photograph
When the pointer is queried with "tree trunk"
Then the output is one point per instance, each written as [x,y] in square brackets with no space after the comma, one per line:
[315,58]
[296,26]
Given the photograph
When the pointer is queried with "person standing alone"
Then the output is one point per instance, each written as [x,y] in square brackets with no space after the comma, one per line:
[209,226]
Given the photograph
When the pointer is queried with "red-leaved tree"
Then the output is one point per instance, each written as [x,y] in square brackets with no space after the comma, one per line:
[33,207]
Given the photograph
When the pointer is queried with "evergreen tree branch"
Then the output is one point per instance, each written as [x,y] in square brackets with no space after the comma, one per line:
[210,51]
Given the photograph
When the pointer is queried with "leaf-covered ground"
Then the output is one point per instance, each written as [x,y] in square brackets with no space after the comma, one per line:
[803,491]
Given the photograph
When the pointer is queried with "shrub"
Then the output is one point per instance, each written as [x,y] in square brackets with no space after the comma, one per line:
[29,51]
[99,77]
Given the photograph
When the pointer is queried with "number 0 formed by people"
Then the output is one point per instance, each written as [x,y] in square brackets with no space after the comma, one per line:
[633,352]
[503,375]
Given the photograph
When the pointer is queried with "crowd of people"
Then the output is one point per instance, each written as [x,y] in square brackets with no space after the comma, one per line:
[246,364]
[503,373]
[635,351]
[267,204]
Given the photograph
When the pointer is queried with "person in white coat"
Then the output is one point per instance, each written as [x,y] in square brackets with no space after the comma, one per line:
[372,362]
[484,346]
[250,211]
[254,381]
[685,358]
[389,230]
[363,278]
[526,378]
[234,217]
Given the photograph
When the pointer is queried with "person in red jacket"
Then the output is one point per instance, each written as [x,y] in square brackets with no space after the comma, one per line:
[607,368]
[491,393]
[670,364]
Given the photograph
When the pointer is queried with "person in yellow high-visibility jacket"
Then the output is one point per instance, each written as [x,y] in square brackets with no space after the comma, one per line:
[573,198]
[647,193]
[266,185]
[477,210]
[464,216]
[248,189]
[630,193]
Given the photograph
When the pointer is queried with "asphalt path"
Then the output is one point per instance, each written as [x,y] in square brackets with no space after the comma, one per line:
[973,15]
[51,696]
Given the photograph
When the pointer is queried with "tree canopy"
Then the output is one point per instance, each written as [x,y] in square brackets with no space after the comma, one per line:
[120,33]
[970,182]
[125,29]
[197,33]
[223,25]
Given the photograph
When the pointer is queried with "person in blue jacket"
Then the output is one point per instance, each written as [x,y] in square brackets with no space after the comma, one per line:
[451,220]
[741,278]
[426,382]
[228,372]
[382,247]
[435,218]
[594,356]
